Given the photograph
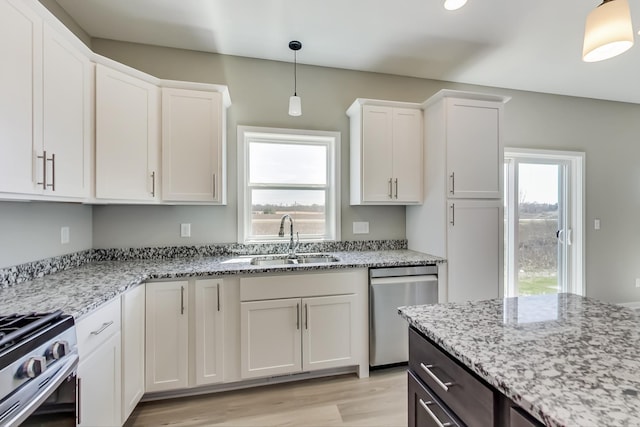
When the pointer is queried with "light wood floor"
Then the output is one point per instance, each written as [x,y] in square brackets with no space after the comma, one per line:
[346,400]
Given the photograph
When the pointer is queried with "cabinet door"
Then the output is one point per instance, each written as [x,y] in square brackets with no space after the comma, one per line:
[167,332]
[209,331]
[270,337]
[66,116]
[407,155]
[328,332]
[425,410]
[377,152]
[474,250]
[21,89]
[99,385]
[127,136]
[192,146]
[133,314]
[474,150]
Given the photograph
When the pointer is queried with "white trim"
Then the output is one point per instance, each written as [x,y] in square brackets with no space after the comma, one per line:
[332,141]
[576,159]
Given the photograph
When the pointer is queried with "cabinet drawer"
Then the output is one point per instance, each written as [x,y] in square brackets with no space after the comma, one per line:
[425,409]
[470,399]
[98,326]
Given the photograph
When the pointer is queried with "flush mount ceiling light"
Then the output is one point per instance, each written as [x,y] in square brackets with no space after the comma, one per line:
[295,103]
[454,4]
[608,31]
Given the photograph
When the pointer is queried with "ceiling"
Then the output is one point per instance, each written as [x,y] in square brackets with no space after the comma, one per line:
[533,45]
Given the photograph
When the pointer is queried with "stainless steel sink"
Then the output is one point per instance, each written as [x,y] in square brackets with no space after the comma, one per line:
[299,259]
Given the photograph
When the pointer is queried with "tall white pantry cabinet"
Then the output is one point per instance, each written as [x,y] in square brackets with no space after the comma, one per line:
[462,215]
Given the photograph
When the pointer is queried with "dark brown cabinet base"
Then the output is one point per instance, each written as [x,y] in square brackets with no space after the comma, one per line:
[443,392]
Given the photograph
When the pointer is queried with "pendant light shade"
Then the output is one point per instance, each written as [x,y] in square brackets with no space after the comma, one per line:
[454,4]
[608,31]
[295,106]
[295,103]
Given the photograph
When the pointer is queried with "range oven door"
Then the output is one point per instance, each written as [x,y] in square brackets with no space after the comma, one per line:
[54,400]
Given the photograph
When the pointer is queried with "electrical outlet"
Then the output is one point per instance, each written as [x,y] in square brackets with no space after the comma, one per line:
[185,230]
[638,283]
[64,235]
[596,224]
[361,227]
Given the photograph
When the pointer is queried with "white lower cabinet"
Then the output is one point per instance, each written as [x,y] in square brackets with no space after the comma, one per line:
[133,322]
[328,339]
[312,331]
[99,371]
[474,250]
[184,328]
[270,337]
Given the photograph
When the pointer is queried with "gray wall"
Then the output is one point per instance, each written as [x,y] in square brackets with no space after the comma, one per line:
[30,231]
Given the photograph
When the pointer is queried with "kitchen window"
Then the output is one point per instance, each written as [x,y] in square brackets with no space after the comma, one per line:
[288,171]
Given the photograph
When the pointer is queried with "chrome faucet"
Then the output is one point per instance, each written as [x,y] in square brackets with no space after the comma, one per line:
[293,246]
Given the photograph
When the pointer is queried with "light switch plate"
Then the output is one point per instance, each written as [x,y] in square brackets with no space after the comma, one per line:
[64,235]
[185,230]
[361,227]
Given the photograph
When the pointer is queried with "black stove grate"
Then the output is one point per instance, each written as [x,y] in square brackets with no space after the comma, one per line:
[17,328]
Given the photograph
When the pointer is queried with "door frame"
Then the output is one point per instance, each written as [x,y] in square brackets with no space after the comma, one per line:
[575,218]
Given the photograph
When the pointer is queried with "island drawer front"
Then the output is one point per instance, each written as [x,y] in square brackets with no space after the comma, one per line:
[467,397]
[425,409]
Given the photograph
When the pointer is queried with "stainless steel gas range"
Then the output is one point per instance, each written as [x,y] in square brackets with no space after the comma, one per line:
[38,361]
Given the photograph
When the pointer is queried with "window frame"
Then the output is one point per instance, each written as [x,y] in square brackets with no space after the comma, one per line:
[330,139]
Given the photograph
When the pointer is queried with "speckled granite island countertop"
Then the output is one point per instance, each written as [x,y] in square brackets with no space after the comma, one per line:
[79,290]
[566,359]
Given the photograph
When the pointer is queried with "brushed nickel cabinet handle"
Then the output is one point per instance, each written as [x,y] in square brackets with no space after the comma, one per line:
[102,328]
[153,184]
[298,316]
[453,215]
[306,316]
[215,192]
[453,183]
[443,385]
[218,292]
[44,170]
[53,172]
[396,188]
[425,406]
[181,299]
[391,188]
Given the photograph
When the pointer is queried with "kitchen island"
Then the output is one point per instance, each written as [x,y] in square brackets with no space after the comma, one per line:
[564,359]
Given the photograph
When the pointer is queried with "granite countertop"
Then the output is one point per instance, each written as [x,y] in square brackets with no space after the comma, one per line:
[80,290]
[567,360]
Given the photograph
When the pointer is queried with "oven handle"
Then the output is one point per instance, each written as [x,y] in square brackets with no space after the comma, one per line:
[54,382]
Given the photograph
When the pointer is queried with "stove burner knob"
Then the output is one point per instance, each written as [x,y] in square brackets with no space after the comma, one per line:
[32,367]
[58,350]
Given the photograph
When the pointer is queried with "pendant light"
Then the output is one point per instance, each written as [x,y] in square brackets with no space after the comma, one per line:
[608,31]
[295,103]
[454,4]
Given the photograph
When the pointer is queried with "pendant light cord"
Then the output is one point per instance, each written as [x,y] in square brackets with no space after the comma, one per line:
[295,73]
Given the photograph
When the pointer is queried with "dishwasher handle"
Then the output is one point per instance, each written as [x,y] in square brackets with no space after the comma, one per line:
[406,279]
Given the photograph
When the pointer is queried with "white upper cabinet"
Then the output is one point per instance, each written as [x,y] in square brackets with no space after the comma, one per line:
[386,152]
[45,108]
[66,117]
[193,146]
[20,108]
[127,137]
[474,150]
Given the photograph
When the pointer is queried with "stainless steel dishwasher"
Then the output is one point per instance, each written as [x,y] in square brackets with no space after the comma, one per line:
[390,288]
